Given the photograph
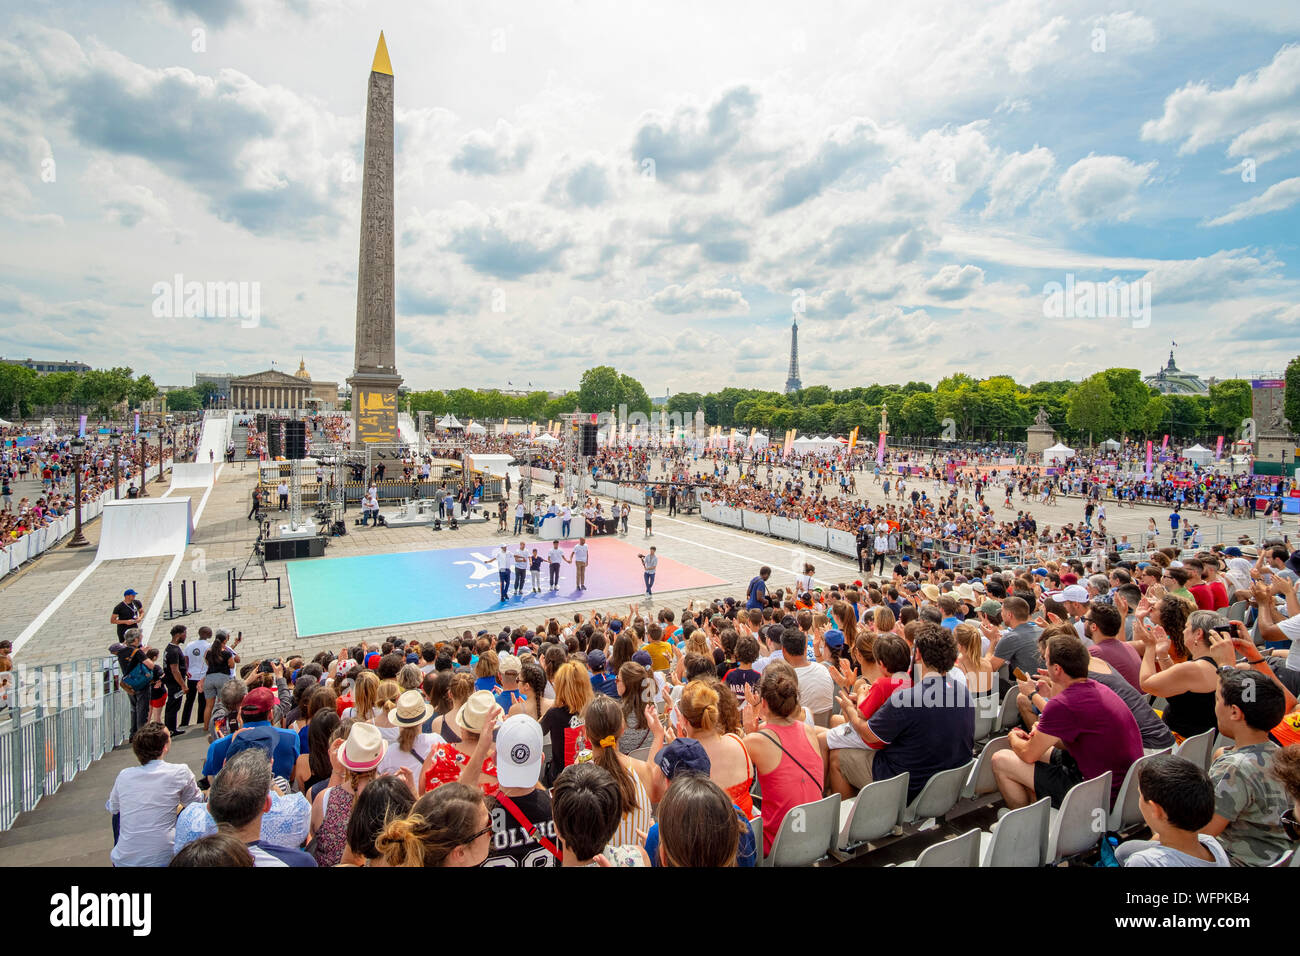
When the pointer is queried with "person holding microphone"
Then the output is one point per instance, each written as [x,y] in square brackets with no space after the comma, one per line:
[651,564]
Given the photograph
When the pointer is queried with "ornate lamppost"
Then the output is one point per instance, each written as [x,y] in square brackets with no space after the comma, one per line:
[115,440]
[78,450]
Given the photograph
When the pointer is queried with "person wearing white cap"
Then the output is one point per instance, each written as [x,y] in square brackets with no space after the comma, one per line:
[358,759]
[1075,598]
[405,716]
[523,832]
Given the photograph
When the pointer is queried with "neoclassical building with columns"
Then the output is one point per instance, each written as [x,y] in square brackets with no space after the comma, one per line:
[279,390]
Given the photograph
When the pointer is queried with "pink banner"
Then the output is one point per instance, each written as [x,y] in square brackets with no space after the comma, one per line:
[880,450]
[1149,443]
[1218,449]
[82,430]
[1164,444]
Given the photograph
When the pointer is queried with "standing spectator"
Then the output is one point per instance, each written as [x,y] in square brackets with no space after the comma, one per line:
[132,662]
[816,688]
[449,826]
[756,595]
[174,679]
[282,489]
[196,669]
[127,613]
[144,801]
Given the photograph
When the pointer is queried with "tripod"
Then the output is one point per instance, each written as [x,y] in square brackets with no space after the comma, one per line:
[258,554]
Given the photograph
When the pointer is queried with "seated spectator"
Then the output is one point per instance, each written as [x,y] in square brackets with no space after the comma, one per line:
[144,799]
[680,760]
[1177,800]
[743,674]
[1017,646]
[700,827]
[356,760]
[1084,730]
[508,670]
[787,753]
[601,683]
[563,722]
[1104,626]
[1248,800]
[816,689]
[636,687]
[1188,687]
[922,729]
[729,763]
[240,796]
[892,659]
[603,724]
[449,826]
[1286,770]
[587,807]
[446,763]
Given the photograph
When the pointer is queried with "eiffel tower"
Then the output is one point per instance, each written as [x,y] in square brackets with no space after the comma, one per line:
[792,383]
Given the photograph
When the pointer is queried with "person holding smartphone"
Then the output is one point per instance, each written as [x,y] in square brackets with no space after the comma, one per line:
[651,564]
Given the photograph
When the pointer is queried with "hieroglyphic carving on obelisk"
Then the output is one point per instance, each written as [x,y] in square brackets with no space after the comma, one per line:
[374,379]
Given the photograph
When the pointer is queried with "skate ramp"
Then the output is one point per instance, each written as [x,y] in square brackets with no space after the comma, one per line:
[213,438]
[146,528]
[197,474]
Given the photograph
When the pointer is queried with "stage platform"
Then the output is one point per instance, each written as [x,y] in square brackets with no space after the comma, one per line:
[384,590]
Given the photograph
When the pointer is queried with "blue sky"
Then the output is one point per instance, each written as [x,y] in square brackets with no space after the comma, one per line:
[649,185]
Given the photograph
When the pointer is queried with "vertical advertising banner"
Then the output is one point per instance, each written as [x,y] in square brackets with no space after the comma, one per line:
[1149,443]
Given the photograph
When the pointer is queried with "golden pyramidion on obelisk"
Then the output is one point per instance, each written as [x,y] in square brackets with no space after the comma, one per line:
[381,64]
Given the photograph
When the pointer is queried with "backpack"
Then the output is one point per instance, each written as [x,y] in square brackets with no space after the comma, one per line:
[141,676]
[264,737]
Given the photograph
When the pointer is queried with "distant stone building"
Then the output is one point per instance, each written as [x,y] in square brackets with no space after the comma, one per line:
[46,366]
[1171,380]
[323,396]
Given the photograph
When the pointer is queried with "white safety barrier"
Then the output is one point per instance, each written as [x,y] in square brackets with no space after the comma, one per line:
[787,528]
[812,534]
[730,517]
[753,521]
[842,542]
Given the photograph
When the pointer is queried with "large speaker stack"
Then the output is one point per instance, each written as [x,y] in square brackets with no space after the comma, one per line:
[295,439]
[275,438]
[588,440]
[261,423]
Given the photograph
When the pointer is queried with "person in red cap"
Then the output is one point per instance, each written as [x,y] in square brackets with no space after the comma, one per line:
[256,730]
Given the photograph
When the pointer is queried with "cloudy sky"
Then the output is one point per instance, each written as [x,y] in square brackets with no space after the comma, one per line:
[648,185]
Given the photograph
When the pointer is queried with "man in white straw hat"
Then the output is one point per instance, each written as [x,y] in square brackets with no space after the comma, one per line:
[405,718]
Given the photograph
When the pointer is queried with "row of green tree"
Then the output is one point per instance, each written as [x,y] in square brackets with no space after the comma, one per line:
[24,392]
[1113,403]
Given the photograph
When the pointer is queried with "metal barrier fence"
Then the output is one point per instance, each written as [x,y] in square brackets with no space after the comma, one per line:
[54,722]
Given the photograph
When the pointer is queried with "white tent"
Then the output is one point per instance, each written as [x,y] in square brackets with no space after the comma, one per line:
[1110,444]
[757,440]
[545,439]
[449,421]
[474,428]
[1198,454]
[1059,452]
[3,422]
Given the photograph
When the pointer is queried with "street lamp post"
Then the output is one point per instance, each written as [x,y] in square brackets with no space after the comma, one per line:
[78,449]
[115,439]
[144,462]
[159,479]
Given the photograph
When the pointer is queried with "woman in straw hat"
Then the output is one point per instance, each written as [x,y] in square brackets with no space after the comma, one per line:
[399,723]
[355,762]
[444,762]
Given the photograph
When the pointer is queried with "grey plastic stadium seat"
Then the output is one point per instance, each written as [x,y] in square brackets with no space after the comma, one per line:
[961,850]
[1197,749]
[873,813]
[938,795]
[980,781]
[1010,714]
[1125,814]
[1019,838]
[757,824]
[808,833]
[1078,826]
[1237,611]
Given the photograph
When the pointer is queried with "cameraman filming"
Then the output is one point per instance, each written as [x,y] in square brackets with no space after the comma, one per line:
[257,502]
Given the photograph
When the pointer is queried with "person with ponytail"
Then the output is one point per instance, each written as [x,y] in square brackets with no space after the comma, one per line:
[449,826]
[729,764]
[603,719]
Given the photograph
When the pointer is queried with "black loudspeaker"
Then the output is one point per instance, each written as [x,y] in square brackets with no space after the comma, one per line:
[588,444]
[261,424]
[295,439]
[275,438]
[283,549]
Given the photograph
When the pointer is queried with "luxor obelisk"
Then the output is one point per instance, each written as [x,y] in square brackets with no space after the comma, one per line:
[374,378]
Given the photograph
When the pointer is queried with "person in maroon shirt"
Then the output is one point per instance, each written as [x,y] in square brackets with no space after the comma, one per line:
[1210,569]
[1104,625]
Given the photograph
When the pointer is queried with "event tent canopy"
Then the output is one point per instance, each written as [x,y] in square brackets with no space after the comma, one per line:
[449,421]
[1198,454]
[1059,452]
[475,429]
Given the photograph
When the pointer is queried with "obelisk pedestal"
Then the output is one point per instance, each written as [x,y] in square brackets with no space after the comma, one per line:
[374,379]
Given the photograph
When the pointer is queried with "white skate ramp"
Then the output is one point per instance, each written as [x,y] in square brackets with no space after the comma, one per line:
[145,528]
[213,438]
[196,474]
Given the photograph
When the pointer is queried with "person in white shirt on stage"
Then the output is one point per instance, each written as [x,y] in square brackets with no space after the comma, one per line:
[553,558]
[651,564]
[521,568]
[579,561]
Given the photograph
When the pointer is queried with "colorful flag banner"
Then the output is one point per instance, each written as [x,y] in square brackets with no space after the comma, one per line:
[880,450]
[1149,443]
[1218,449]
[82,431]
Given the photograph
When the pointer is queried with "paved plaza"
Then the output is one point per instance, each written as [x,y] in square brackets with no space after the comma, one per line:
[223,539]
